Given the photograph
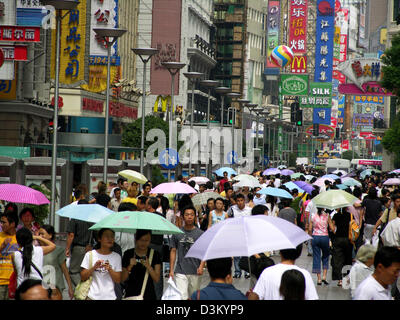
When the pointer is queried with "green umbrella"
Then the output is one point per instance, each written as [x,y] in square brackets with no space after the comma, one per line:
[334,199]
[130,221]
[297,175]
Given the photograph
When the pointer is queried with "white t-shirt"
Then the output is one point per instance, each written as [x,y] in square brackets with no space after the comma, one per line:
[370,289]
[267,286]
[102,287]
[125,240]
[391,234]
[37,259]
[277,183]
[312,209]
[358,273]
[240,213]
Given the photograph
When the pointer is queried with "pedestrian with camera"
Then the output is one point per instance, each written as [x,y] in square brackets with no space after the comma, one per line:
[104,266]
[141,268]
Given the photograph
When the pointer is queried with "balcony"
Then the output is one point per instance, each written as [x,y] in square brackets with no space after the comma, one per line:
[202,50]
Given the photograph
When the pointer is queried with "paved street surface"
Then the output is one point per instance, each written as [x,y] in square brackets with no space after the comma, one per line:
[325,292]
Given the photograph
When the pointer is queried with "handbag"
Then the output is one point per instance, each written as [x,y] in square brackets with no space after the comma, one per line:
[140,296]
[82,289]
[354,230]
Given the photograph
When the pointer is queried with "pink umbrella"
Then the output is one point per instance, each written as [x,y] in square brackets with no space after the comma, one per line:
[321,181]
[173,187]
[392,182]
[21,194]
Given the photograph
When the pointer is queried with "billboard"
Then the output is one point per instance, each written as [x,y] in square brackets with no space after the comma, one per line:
[73,61]
[30,13]
[325,28]
[294,85]
[166,37]
[299,64]
[322,116]
[298,14]
[320,96]
[273,27]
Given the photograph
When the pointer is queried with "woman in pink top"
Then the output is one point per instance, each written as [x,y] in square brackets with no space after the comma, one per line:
[318,227]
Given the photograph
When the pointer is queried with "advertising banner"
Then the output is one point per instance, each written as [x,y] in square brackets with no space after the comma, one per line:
[294,85]
[19,34]
[298,26]
[369,99]
[273,27]
[322,116]
[299,64]
[320,96]
[73,61]
[30,13]
[345,144]
[363,120]
[325,29]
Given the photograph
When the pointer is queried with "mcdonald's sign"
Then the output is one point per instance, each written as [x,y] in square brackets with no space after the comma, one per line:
[299,64]
[164,102]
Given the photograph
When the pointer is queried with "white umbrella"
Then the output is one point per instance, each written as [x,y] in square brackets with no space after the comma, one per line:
[321,181]
[247,183]
[132,175]
[199,180]
[245,236]
[244,176]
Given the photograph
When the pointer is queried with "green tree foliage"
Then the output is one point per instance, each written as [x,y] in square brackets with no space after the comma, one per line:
[131,136]
[349,155]
[391,140]
[391,68]
[391,81]
[41,212]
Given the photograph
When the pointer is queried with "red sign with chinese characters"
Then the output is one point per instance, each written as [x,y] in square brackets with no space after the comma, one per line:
[345,144]
[16,53]
[323,130]
[19,34]
[298,26]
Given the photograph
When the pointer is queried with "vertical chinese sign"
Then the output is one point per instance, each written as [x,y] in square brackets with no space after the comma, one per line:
[341,26]
[325,30]
[103,14]
[298,34]
[273,26]
[73,47]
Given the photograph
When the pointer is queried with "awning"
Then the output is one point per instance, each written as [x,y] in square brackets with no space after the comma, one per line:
[82,149]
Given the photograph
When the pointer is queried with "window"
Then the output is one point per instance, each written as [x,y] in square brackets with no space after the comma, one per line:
[395,9]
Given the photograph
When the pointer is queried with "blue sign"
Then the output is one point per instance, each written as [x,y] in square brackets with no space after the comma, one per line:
[325,29]
[232,157]
[169,158]
[322,116]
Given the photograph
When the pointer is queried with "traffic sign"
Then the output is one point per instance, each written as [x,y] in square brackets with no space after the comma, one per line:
[169,158]
[232,157]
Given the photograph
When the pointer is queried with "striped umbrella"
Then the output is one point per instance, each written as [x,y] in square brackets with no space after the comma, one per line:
[21,194]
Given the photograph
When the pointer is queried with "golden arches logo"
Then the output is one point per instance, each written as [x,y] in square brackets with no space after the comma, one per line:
[299,62]
[165,103]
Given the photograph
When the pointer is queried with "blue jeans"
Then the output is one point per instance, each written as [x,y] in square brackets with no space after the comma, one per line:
[320,243]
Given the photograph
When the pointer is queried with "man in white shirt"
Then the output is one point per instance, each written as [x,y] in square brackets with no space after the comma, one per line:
[277,182]
[378,285]
[391,234]
[240,209]
[267,286]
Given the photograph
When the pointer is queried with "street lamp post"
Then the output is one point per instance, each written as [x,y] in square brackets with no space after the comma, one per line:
[192,76]
[232,95]
[145,55]
[243,103]
[265,114]
[173,68]
[222,91]
[106,34]
[58,5]
[209,84]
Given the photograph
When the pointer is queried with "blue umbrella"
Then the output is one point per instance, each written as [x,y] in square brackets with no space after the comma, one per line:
[332,176]
[220,171]
[342,186]
[85,212]
[290,185]
[350,182]
[287,172]
[275,192]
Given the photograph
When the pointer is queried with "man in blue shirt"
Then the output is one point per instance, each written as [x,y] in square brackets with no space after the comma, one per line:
[220,287]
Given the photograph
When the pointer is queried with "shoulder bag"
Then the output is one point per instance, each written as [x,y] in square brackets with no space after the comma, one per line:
[141,295]
[82,289]
[354,230]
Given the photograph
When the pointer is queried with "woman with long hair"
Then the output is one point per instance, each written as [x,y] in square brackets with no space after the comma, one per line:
[55,262]
[318,227]
[136,263]
[293,285]
[104,266]
[28,261]
[273,208]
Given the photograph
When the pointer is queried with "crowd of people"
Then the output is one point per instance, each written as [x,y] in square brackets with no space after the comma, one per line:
[121,265]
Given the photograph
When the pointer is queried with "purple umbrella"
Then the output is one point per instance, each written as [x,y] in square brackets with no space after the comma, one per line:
[287,172]
[173,187]
[304,185]
[271,172]
[350,174]
[21,194]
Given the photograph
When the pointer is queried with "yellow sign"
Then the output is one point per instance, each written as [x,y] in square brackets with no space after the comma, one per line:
[8,88]
[165,102]
[98,78]
[72,49]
